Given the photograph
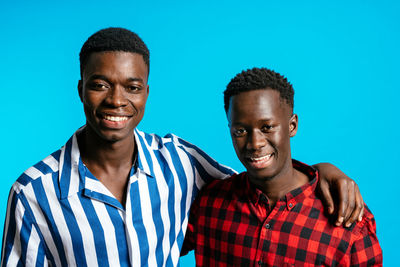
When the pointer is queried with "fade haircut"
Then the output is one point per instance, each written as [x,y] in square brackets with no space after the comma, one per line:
[257,79]
[114,39]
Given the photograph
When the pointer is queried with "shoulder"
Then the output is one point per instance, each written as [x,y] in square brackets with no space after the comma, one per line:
[367,224]
[169,148]
[361,231]
[181,143]
[176,146]
[38,172]
[223,189]
[366,249]
[154,141]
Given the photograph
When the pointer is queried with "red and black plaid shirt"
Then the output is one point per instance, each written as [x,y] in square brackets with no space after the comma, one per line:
[231,224]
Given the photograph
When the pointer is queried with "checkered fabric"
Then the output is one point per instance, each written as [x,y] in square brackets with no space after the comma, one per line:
[231,224]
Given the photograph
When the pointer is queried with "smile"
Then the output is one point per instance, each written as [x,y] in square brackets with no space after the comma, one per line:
[114,122]
[115,118]
[260,162]
[266,157]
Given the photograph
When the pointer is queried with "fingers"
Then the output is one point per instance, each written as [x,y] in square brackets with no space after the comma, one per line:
[359,203]
[349,203]
[351,211]
[361,213]
[343,197]
[324,187]
[357,210]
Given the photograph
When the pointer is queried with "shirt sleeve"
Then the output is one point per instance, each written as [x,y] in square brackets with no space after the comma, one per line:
[366,250]
[205,167]
[22,245]
[190,237]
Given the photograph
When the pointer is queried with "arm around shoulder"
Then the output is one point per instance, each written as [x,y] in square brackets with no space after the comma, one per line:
[207,168]
[347,203]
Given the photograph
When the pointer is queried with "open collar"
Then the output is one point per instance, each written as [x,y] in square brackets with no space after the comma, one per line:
[73,174]
[293,197]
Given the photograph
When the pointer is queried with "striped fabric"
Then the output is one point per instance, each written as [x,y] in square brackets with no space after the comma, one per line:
[59,214]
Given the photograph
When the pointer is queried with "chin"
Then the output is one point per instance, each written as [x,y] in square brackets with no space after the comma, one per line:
[262,175]
[113,137]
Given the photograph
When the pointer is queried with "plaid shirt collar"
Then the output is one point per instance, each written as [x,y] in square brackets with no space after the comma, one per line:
[257,197]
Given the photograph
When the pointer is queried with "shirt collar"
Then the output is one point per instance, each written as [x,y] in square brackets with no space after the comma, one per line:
[72,174]
[145,145]
[256,196]
[298,195]
[70,180]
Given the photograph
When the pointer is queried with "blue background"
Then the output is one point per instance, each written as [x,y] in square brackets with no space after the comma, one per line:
[342,58]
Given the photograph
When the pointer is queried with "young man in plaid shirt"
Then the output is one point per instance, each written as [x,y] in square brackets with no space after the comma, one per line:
[271,215]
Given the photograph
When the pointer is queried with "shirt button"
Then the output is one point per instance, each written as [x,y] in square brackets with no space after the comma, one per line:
[268,226]
[290,205]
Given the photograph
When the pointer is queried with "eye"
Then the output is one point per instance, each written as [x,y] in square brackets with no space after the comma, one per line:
[266,128]
[239,132]
[99,86]
[133,88]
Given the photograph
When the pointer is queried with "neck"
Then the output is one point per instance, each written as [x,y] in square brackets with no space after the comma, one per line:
[99,153]
[278,186]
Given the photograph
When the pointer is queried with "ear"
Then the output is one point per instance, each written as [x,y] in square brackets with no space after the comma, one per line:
[80,89]
[293,123]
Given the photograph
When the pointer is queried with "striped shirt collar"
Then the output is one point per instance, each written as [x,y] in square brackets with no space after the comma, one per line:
[73,174]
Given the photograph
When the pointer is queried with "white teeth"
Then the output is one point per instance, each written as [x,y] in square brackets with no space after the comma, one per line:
[115,118]
[261,158]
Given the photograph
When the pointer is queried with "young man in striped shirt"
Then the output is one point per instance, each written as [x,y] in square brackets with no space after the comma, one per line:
[113,195]
[271,215]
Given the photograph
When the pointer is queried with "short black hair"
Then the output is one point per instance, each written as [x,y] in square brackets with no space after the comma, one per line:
[114,39]
[256,79]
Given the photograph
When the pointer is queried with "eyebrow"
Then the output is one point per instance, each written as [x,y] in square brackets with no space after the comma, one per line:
[135,79]
[98,76]
[102,77]
[244,122]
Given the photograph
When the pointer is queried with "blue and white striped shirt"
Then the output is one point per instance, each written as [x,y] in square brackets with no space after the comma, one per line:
[59,214]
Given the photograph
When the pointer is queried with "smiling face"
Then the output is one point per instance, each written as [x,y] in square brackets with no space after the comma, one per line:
[261,124]
[114,92]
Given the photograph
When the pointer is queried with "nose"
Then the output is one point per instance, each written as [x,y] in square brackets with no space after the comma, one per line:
[116,97]
[255,140]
